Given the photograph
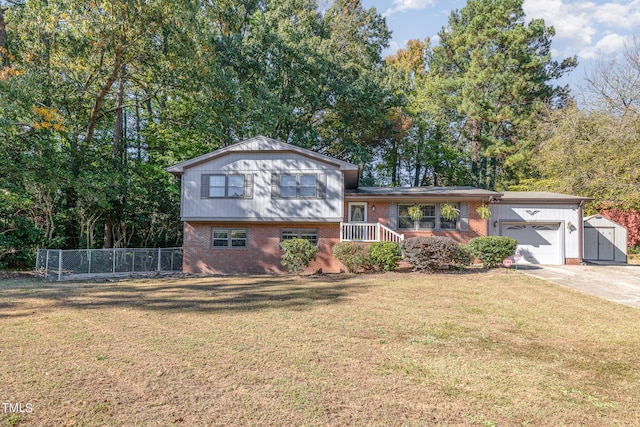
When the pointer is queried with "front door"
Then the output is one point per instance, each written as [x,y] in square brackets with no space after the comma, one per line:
[357,229]
[358,212]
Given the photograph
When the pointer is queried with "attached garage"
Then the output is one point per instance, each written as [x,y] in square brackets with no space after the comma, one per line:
[548,226]
[604,240]
[538,243]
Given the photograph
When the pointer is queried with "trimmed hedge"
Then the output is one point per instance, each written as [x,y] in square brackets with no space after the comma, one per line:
[463,257]
[429,253]
[354,256]
[297,254]
[386,255]
[492,250]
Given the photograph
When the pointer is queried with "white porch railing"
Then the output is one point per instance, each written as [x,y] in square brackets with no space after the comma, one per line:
[368,232]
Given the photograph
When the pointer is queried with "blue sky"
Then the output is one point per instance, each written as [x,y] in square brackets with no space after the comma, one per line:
[592,30]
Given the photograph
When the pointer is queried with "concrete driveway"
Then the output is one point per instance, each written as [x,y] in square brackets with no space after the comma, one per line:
[618,283]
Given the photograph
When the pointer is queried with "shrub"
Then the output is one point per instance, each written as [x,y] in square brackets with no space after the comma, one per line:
[385,255]
[463,256]
[354,256]
[492,250]
[297,254]
[430,252]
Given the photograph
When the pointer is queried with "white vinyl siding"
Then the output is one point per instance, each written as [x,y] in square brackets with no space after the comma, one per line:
[258,203]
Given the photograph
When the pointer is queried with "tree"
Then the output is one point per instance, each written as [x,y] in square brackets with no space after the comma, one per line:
[593,151]
[594,154]
[98,97]
[496,69]
[421,150]
[614,86]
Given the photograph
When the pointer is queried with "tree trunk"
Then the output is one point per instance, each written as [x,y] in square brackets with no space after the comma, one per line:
[108,233]
[118,124]
[3,38]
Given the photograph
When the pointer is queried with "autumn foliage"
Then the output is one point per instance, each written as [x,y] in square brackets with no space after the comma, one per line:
[627,218]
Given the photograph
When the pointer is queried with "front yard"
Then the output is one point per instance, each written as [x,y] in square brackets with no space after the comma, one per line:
[480,348]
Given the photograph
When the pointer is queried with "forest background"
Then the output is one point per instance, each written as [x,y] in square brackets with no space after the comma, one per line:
[98,97]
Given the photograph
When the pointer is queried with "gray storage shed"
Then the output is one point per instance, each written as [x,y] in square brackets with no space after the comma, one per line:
[604,240]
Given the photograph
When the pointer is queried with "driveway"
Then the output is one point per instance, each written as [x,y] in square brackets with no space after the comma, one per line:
[618,283]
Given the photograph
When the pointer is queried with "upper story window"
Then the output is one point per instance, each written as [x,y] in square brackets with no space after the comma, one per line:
[226,186]
[298,186]
[431,218]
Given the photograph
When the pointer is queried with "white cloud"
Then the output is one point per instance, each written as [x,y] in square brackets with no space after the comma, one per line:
[587,28]
[608,45]
[404,5]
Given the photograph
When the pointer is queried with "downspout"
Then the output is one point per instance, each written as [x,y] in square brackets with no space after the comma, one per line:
[580,230]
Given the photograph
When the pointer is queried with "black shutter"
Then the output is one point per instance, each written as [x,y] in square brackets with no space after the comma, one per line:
[248,186]
[321,185]
[393,216]
[275,178]
[463,223]
[204,186]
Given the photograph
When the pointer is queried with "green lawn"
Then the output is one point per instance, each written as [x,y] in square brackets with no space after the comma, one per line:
[479,348]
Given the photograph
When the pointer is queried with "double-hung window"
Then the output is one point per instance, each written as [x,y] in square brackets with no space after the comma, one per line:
[229,238]
[298,186]
[221,186]
[431,218]
[300,233]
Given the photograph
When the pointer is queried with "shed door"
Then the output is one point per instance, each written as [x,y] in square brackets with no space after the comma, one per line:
[591,243]
[537,243]
[599,243]
[605,243]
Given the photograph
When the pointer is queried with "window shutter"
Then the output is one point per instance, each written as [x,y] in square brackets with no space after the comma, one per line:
[393,216]
[248,186]
[204,186]
[321,186]
[274,185]
[463,222]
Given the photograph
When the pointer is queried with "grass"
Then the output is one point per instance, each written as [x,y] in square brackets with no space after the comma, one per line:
[482,348]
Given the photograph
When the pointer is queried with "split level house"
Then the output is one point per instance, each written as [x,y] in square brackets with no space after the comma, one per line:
[239,202]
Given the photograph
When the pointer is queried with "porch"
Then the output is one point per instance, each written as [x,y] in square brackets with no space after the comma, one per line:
[368,232]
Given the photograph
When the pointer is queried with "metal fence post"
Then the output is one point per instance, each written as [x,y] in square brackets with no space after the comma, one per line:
[37,262]
[89,256]
[159,260]
[114,261]
[59,264]
[46,265]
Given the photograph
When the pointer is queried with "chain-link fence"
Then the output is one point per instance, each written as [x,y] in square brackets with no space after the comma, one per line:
[59,264]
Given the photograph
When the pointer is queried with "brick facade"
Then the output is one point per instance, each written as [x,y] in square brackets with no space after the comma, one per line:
[477,226]
[262,253]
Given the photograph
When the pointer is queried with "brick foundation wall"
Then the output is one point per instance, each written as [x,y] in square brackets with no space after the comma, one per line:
[262,254]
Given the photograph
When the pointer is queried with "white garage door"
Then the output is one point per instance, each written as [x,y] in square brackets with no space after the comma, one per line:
[537,243]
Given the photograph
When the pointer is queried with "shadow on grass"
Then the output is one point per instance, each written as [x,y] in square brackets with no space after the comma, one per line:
[202,294]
